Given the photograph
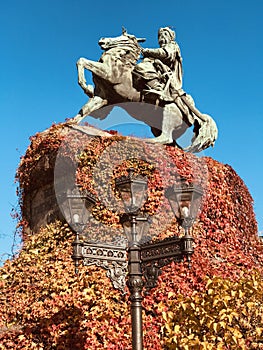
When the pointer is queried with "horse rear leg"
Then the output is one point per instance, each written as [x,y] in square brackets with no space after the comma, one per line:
[92,105]
[172,122]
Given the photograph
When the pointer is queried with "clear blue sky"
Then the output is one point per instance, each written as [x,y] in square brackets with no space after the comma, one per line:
[222,49]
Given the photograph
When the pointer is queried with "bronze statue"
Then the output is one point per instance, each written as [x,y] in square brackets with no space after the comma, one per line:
[157,80]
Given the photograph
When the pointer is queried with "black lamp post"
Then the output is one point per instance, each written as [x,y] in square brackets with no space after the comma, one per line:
[145,259]
[133,190]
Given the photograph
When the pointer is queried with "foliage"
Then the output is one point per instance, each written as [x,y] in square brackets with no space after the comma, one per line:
[229,315]
[215,305]
[45,306]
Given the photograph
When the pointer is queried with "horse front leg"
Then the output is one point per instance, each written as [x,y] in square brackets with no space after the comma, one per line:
[92,105]
[88,89]
[97,68]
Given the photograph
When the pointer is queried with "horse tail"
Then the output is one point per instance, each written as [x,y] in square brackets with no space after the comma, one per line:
[205,134]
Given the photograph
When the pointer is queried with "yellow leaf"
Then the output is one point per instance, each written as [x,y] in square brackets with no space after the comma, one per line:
[170,294]
[222,324]
[4,276]
[240,294]
[233,314]
[215,326]
[164,316]
[177,328]
[236,335]
[209,282]
[220,346]
[215,301]
[21,337]
[259,331]
[233,293]
[34,251]
[183,306]
[250,304]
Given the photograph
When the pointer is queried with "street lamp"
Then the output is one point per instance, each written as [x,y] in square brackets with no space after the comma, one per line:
[184,199]
[145,258]
[78,211]
[133,190]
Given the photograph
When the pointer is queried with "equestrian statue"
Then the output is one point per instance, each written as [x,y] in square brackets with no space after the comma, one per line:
[156,81]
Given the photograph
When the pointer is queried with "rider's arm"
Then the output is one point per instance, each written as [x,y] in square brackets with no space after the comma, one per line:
[170,51]
[155,53]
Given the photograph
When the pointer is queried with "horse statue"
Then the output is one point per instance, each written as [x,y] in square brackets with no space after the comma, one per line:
[116,82]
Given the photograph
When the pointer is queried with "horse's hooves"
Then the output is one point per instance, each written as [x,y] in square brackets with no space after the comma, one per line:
[162,141]
[75,120]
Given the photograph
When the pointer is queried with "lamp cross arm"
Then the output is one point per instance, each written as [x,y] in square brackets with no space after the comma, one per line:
[169,248]
[111,257]
[98,250]
[155,255]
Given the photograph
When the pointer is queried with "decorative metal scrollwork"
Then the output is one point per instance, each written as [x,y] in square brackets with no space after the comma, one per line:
[155,255]
[169,248]
[93,250]
[111,257]
[151,274]
[116,271]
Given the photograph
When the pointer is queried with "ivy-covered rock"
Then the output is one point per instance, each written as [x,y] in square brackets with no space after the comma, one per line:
[215,305]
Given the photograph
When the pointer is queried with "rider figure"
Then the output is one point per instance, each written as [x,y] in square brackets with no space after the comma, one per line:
[162,68]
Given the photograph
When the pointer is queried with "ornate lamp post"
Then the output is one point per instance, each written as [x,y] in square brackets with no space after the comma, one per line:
[145,259]
[132,190]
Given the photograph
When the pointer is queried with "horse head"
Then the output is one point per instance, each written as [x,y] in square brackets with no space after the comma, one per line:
[127,41]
